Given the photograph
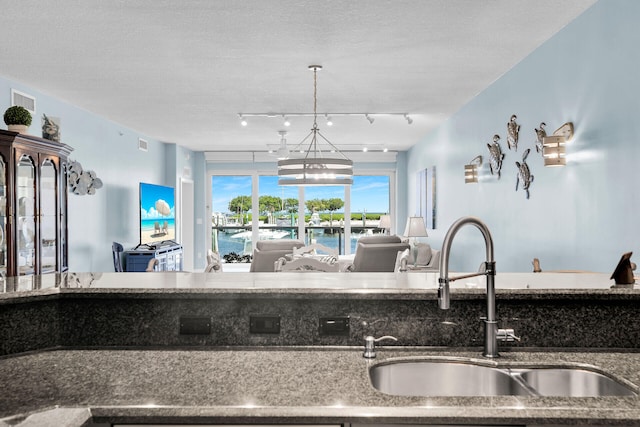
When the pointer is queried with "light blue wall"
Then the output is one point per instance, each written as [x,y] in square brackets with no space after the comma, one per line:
[112,152]
[582,216]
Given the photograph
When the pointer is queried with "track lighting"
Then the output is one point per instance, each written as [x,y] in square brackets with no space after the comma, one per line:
[286,116]
[243,121]
[283,151]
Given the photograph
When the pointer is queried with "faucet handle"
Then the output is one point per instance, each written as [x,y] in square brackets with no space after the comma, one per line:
[370,345]
[507,335]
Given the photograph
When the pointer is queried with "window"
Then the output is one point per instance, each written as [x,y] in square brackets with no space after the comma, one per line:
[333,216]
[231,214]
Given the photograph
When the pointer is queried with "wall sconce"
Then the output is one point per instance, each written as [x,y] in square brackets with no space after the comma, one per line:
[471,170]
[554,147]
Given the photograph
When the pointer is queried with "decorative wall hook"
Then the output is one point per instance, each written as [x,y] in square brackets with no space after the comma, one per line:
[82,182]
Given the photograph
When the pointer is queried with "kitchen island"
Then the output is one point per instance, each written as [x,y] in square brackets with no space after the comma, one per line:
[96,349]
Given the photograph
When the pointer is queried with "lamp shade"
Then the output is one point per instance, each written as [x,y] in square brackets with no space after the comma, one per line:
[385,222]
[415,227]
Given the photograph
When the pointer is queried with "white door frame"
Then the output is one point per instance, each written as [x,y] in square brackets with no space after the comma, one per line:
[187,226]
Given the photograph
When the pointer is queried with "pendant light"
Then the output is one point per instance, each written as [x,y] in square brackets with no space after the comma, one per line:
[314,168]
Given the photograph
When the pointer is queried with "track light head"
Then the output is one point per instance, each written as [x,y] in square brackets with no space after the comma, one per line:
[329,121]
[286,121]
[409,119]
[368,117]
[283,150]
[243,121]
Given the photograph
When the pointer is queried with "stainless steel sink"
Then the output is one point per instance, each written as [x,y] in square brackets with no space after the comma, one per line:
[443,379]
[454,378]
[572,383]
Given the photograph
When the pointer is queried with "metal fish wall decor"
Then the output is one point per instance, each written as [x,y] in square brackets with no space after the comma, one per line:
[496,156]
[524,174]
[540,134]
[513,130]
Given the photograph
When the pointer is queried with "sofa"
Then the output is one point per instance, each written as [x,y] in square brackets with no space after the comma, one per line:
[267,252]
[377,253]
[427,258]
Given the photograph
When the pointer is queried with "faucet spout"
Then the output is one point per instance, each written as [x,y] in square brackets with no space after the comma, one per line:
[491,329]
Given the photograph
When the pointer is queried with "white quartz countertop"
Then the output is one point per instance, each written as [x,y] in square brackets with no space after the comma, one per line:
[357,282]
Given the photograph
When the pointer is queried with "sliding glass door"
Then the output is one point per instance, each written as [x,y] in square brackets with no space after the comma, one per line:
[248,207]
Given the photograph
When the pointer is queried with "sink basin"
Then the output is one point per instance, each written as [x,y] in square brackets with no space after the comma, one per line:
[572,383]
[448,378]
[430,378]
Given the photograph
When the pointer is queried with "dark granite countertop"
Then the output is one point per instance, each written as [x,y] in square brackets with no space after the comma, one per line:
[313,385]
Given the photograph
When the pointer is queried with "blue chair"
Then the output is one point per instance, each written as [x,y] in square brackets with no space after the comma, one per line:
[117,250]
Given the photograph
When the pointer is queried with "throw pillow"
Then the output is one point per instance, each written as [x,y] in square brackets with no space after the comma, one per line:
[424,254]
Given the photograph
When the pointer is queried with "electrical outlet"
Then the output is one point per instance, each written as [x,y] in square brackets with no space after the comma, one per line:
[334,326]
[195,325]
[264,324]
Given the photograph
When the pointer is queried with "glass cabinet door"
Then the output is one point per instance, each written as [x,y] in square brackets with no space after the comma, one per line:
[25,220]
[48,217]
[3,218]
[63,219]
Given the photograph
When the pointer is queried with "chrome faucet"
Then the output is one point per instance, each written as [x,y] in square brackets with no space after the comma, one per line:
[491,331]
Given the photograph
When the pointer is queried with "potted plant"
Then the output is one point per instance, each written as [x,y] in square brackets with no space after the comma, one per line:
[17,119]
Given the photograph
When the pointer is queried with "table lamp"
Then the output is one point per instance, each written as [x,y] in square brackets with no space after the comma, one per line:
[415,228]
[385,223]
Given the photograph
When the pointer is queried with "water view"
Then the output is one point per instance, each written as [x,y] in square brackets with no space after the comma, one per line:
[239,241]
[278,208]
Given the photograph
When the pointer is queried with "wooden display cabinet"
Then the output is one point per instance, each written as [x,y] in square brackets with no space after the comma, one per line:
[33,205]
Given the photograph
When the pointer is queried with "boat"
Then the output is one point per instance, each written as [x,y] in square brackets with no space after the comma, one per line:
[263,234]
[366,232]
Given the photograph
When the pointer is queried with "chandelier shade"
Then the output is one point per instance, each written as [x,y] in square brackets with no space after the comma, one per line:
[314,168]
[315,171]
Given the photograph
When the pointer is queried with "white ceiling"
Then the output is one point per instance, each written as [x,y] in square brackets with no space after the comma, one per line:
[181,71]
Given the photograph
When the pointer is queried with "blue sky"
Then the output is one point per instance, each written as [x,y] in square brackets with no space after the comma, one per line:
[150,195]
[367,192]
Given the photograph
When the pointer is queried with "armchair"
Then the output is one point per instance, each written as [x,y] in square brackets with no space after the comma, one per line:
[377,253]
[267,252]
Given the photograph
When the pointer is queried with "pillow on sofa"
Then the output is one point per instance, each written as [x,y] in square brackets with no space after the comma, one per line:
[424,253]
[379,238]
[278,244]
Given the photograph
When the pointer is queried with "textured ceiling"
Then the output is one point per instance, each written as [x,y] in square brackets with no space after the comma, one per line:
[181,71]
